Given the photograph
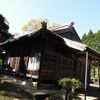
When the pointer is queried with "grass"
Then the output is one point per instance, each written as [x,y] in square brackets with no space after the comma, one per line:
[9,95]
[9,91]
[5,96]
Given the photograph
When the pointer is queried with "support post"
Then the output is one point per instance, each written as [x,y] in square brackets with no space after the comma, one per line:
[99,77]
[86,67]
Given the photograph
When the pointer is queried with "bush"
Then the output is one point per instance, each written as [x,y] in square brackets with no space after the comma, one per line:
[73,84]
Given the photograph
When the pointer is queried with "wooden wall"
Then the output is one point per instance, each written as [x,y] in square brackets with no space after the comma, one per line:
[56,64]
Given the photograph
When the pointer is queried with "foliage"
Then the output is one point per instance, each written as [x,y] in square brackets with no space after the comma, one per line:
[76,84]
[32,25]
[36,24]
[92,40]
[65,82]
[72,83]
[4,27]
[94,72]
[71,86]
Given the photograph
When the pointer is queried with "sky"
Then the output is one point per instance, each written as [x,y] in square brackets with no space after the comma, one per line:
[84,13]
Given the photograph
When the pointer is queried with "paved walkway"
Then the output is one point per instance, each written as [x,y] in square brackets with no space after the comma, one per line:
[93,93]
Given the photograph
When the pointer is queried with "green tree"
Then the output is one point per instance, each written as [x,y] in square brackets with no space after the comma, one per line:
[36,24]
[97,41]
[84,38]
[32,25]
[4,27]
[88,38]
[92,40]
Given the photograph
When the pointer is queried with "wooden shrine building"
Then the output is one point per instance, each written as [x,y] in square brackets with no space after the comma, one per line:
[48,55]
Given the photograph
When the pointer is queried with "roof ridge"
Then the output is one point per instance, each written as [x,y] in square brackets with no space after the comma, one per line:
[61,27]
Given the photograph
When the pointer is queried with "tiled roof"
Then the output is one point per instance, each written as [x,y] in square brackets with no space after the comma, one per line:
[68,32]
[61,27]
[73,44]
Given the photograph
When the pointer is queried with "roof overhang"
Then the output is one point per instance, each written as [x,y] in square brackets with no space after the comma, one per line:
[94,56]
[81,48]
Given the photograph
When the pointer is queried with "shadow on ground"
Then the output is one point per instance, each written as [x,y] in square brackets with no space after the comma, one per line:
[92,93]
[11,90]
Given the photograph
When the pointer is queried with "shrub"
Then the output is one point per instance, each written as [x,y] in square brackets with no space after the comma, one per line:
[73,84]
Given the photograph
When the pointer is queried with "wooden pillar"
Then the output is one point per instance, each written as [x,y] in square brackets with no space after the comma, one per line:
[89,72]
[99,75]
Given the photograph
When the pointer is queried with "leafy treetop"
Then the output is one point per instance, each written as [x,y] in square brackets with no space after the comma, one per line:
[36,24]
[92,39]
[4,27]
